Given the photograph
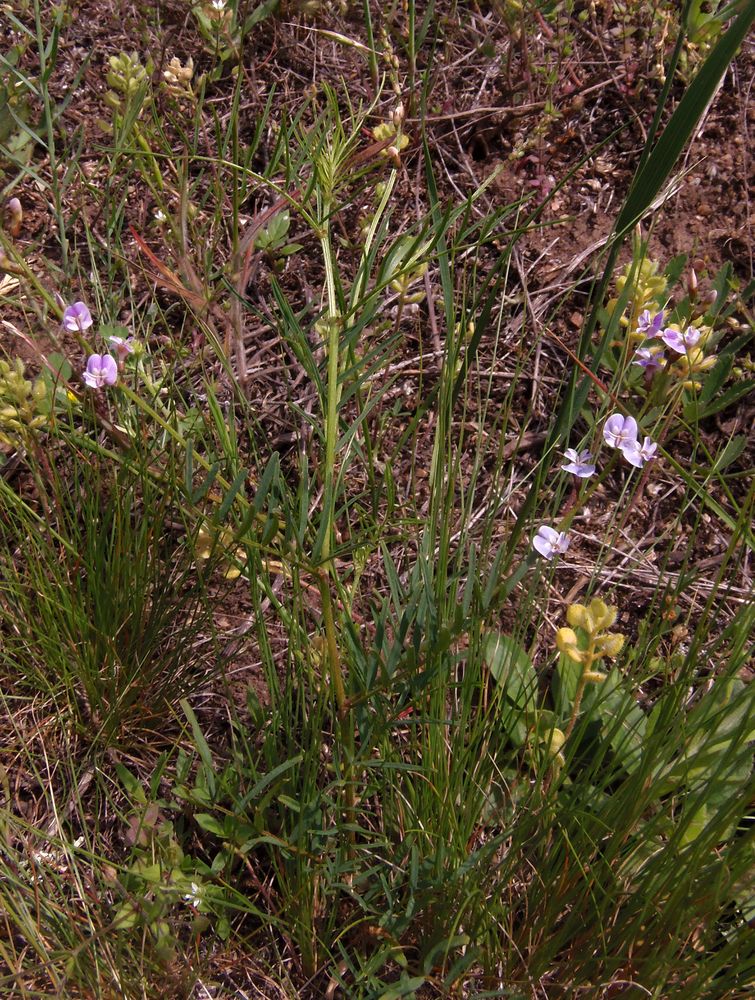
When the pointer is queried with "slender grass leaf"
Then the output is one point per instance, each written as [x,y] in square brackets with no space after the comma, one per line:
[201,492]
[231,495]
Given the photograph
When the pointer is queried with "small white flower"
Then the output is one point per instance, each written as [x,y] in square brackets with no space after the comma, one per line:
[578,463]
[194,898]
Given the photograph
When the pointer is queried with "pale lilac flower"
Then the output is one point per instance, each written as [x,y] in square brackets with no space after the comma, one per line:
[578,463]
[123,346]
[650,325]
[77,318]
[637,454]
[549,542]
[101,370]
[649,358]
[680,342]
[620,431]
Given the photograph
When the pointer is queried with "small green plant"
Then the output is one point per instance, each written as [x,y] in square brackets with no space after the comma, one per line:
[273,242]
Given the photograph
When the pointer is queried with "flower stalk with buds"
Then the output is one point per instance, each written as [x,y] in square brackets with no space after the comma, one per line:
[593,621]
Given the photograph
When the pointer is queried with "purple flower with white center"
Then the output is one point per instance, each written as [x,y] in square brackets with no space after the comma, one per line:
[578,463]
[101,370]
[649,325]
[680,342]
[77,318]
[638,454]
[549,542]
[649,358]
[620,431]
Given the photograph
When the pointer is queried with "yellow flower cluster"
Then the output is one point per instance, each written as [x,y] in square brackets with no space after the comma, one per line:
[594,620]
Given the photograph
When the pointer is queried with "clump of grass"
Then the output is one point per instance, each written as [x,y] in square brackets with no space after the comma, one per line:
[452,777]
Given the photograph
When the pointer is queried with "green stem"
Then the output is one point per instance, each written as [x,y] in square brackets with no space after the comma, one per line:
[579,694]
[331,438]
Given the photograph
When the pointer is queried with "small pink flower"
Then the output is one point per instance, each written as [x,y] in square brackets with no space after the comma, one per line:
[649,358]
[649,325]
[549,542]
[122,346]
[101,370]
[77,318]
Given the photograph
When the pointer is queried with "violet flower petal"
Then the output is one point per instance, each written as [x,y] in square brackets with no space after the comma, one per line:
[77,318]
[101,370]
[620,431]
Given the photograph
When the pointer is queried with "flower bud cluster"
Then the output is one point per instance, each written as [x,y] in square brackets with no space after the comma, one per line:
[392,130]
[125,77]
[178,78]
[648,288]
[23,404]
[593,620]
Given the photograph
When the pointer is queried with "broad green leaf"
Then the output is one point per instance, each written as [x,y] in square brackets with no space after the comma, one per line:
[625,722]
[695,824]
[59,364]
[210,824]
[564,685]
[513,670]
[730,453]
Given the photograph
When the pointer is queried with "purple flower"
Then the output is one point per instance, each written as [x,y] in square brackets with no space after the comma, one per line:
[549,542]
[650,325]
[578,463]
[620,431]
[637,454]
[649,358]
[77,318]
[680,342]
[101,370]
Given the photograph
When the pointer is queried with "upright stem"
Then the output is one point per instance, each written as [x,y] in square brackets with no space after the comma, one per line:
[328,570]
[579,693]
